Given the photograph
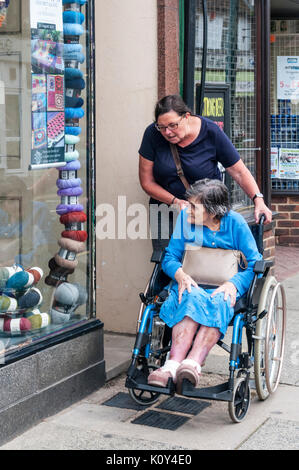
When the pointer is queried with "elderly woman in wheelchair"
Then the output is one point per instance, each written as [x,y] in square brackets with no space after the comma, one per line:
[208,222]
[217,278]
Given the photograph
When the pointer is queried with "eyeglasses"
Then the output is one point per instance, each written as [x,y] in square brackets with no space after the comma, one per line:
[172,126]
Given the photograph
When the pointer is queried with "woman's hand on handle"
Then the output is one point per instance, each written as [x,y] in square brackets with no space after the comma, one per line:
[260,208]
[184,282]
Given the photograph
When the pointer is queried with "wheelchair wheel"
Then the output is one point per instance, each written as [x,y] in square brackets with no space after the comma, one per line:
[238,408]
[270,338]
[144,397]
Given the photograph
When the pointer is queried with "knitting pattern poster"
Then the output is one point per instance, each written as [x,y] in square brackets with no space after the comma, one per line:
[47,65]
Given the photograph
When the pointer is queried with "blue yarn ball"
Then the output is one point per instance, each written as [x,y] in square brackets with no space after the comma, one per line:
[19,280]
[31,299]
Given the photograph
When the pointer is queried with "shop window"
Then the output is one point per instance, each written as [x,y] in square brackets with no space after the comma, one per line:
[231,58]
[285,106]
[46,256]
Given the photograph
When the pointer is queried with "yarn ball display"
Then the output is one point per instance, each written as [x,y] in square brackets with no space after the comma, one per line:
[70,192]
[71,140]
[15,325]
[73,130]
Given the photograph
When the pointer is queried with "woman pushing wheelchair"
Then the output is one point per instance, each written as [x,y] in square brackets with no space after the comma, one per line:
[200,314]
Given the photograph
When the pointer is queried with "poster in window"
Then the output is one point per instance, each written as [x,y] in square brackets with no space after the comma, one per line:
[287,77]
[289,163]
[47,65]
[274,162]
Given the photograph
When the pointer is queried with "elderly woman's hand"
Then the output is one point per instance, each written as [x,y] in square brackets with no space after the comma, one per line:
[184,282]
[229,289]
[180,204]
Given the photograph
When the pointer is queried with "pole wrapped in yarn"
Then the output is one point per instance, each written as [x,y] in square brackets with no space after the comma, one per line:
[68,183]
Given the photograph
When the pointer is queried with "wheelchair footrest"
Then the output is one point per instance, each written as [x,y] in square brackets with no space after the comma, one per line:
[219,392]
[169,390]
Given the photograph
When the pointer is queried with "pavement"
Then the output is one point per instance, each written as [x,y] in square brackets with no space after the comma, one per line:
[97,424]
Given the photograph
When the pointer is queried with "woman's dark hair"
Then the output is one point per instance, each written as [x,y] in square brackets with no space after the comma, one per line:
[212,194]
[171,103]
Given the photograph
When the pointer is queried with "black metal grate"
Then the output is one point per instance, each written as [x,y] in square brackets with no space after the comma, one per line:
[183,405]
[160,420]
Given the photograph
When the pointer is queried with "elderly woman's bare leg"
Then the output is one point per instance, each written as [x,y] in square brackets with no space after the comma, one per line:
[182,337]
[205,339]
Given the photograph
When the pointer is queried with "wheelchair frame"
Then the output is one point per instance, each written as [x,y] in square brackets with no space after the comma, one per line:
[256,312]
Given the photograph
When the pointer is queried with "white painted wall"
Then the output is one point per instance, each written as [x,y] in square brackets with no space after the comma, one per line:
[126,92]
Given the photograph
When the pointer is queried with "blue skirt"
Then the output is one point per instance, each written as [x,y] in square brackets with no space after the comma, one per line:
[205,310]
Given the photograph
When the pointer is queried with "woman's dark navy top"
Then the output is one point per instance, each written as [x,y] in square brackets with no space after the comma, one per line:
[199,159]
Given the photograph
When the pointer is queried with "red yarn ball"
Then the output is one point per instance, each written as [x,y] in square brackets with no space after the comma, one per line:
[73,217]
[21,324]
[78,235]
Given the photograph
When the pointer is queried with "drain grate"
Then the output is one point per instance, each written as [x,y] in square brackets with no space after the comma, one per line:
[123,400]
[160,420]
[183,405]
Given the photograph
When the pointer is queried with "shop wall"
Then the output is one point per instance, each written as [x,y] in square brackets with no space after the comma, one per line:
[126,90]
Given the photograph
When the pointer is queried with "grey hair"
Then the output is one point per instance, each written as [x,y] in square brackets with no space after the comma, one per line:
[212,194]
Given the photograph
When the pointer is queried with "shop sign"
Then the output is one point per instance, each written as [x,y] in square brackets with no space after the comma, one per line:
[47,65]
[287,77]
[215,105]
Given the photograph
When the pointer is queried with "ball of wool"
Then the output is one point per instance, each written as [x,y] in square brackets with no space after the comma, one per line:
[73,130]
[71,139]
[83,296]
[71,156]
[80,2]
[66,294]
[68,183]
[73,29]
[14,325]
[73,17]
[40,320]
[20,280]
[37,273]
[32,298]
[69,48]
[58,317]
[65,263]
[7,304]
[72,245]
[7,272]
[75,83]
[67,208]
[76,192]
[71,72]
[73,217]
[73,102]
[74,113]
[78,56]
[57,274]
[78,235]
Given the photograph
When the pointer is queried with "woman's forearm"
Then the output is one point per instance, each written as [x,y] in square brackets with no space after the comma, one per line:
[156,191]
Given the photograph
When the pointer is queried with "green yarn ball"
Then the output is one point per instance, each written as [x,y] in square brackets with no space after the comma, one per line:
[39,320]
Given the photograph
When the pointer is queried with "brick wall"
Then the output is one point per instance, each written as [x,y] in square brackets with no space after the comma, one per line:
[287,221]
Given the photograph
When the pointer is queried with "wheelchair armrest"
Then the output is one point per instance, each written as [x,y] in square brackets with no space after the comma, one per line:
[157,256]
[261,266]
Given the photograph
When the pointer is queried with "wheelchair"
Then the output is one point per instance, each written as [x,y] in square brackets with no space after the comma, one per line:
[261,313]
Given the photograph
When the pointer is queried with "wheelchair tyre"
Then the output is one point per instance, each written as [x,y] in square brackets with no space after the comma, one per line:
[144,397]
[269,338]
[238,408]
